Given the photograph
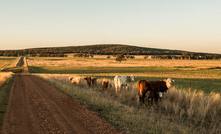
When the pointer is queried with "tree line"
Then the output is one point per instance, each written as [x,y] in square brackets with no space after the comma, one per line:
[109,49]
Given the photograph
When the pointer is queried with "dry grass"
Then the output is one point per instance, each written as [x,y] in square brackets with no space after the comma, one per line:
[104,62]
[180,111]
[4,77]
[8,62]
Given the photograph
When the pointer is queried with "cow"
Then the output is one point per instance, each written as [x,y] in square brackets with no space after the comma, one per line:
[104,83]
[91,81]
[153,89]
[88,80]
[76,80]
[123,81]
[144,88]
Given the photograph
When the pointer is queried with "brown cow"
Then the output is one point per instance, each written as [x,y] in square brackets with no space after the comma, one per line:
[88,80]
[153,89]
[144,86]
[91,81]
[105,83]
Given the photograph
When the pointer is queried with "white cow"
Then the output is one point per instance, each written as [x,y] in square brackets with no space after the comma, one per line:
[123,81]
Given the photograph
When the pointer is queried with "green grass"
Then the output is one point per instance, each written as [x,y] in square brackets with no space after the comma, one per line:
[135,70]
[4,94]
[206,84]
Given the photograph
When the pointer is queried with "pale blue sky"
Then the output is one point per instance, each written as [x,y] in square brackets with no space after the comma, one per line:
[193,25]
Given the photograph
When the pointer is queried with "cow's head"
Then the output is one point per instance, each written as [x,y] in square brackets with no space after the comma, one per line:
[132,77]
[70,78]
[169,82]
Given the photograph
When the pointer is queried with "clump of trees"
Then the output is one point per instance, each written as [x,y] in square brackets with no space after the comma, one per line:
[49,55]
[83,55]
[120,57]
[129,56]
[188,56]
[145,57]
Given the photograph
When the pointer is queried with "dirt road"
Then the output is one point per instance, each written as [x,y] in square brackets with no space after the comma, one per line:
[36,107]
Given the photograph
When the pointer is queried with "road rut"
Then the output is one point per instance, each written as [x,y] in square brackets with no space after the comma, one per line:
[38,108]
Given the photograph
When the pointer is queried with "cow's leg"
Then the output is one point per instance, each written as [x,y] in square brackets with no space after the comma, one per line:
[116,87]
[156,98]
[140,99]
[143,98]
[126,87]
[139,95]
[160,96]
[151,101]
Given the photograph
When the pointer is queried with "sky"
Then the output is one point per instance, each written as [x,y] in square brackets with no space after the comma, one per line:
[192,25]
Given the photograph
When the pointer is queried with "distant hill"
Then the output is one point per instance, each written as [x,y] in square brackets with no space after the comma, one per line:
[102,49]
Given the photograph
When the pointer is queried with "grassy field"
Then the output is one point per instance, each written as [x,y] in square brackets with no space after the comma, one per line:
[8,62]
[139,67]
[181,111]
[104,62]
[198,74]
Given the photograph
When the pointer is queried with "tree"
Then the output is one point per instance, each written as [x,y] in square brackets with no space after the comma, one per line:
[127,56]
[145,57]
[120,57]
[132,57]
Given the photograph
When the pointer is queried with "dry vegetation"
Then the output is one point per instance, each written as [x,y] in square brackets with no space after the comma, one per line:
[104,62]
[8,62]
[4,77]
[181,111]
[140,67]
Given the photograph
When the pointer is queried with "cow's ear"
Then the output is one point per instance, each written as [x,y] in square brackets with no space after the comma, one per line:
[165,80]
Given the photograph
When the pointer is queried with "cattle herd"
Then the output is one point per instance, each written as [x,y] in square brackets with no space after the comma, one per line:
[153,90]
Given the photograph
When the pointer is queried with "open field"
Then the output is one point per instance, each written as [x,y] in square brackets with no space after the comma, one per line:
[8,62]
[181,111]
[199,74]
[109,67]
[14,65]
[104,62]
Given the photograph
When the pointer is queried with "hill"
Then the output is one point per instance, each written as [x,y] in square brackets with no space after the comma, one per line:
[108,49]
[102,49]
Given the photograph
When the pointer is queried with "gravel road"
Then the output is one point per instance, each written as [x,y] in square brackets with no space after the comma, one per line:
[38,108]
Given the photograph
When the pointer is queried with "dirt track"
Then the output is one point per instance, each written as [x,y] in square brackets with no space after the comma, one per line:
[36,107]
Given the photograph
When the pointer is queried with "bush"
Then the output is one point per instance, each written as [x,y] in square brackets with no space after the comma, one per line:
[120,57]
